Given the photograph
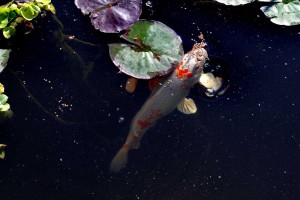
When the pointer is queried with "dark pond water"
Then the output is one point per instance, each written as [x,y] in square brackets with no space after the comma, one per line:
[242,145]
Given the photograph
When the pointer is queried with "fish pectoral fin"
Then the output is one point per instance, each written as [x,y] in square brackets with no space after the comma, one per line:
[187,106]
[131,84]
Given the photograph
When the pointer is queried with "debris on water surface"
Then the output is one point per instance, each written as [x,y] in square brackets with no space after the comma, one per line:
[121,120]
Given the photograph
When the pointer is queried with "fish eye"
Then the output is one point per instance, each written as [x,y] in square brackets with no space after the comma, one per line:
[199,58]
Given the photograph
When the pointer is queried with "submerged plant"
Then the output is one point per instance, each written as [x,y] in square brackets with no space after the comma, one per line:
[281,12]
[17,12]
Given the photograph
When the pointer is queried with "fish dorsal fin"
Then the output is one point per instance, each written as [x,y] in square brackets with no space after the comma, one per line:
[187,106]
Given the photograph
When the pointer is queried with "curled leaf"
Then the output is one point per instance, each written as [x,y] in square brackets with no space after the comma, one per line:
[29,11]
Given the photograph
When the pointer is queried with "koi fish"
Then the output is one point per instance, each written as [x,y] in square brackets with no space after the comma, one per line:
[163,100]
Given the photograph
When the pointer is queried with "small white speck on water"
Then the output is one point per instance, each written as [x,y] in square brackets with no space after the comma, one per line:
[121,120]
[149,4]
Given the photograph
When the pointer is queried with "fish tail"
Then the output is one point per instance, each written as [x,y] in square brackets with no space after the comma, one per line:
[120,159]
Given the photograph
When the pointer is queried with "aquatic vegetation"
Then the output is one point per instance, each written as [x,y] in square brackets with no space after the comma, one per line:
[287,14]
[281,12]
[4,106]
[4,55]
[111,16]
[20,12]
[155,50]
[234,2]
[2,152]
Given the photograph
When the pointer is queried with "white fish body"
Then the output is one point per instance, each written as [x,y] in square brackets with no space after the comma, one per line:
[163,100]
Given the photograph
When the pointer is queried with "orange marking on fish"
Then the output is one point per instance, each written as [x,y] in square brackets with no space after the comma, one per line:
[146,123]
[181,73]
[189,74]
[143,123]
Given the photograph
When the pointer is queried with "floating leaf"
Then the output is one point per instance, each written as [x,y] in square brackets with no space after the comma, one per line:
[287,14]
[29,11]
[3,99]
[3,19]
[156,50]
[3,105]
[8,32]
[1,88]
[272,1]
[4,55]
[235,2]
[111,16]
[45,2]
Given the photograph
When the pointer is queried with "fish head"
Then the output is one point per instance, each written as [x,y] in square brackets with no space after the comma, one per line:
[191,66]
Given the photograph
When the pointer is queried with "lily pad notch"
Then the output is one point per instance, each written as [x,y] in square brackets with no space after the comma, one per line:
[155,50]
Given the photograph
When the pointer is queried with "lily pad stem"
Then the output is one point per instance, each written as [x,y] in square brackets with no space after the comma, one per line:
[59,119]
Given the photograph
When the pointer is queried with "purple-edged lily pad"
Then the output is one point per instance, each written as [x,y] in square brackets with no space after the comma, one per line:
[111,16]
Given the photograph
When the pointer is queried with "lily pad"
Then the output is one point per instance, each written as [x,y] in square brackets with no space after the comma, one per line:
[4,55]
[155,51]
[287,14]
[235,2]
[111,16]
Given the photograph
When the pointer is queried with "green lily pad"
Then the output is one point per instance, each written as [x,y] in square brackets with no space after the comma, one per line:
[156,49]
[235,2]
[4,55]
[287,14]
